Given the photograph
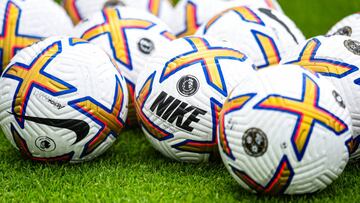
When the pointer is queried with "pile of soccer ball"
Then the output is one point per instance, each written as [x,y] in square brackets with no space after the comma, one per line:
[216,89]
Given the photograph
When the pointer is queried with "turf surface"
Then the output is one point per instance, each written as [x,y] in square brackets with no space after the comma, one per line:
[131,171]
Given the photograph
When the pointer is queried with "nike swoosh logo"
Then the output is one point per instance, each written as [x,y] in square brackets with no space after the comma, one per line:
[81,128]
[269,13]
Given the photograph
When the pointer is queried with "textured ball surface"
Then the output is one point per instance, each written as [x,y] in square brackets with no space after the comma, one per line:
[25,22]
[189,15]
[179,102]
[130,36]
[263,34]
[79,10]
[349,26]
[284,130]
[338,59]
[62,99]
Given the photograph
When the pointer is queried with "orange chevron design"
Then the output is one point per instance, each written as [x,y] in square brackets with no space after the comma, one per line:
[248,15]
[204,146]
[116,27]
[139,105]
[131,118]
[108,119]
[268,48]
[10,40]
[71,9]
[75,41]
[168,35]
[231,105]
[270,4]
[144,93]
[278,183]
[353,144]
[325,67]
[308,112]
[208,57]
[34,75]
[191,24]
[244,12]
[25,152]
[212,21]
[154,7]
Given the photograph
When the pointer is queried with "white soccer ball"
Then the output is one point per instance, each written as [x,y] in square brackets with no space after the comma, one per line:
[284,130]
[79,10]
[349,26]
[179,102]
[131,37]
[62,99]
[263,34]
[338,59]
[23,22]
[189,15]
[160,8]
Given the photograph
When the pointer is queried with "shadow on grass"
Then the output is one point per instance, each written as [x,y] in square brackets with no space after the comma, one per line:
[344,184]
[131,149]
[132,152]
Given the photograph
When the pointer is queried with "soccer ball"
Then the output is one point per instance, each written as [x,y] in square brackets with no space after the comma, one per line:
[130,36]
[189,15]
[25,22]
[284,130]
[62,99]
[82,9]
[263,34]
[160,8]
[337,58]
[178,103]
[79,10]
[349,26]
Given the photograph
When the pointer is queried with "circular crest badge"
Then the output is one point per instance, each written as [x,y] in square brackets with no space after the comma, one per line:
[346,31]
[255,142]
[338,99]
[353,46]
[45,144]
[188,85]
[146,46]
[113,3]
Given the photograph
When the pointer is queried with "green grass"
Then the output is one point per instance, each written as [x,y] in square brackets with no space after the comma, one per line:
[132,171]
[316,17]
